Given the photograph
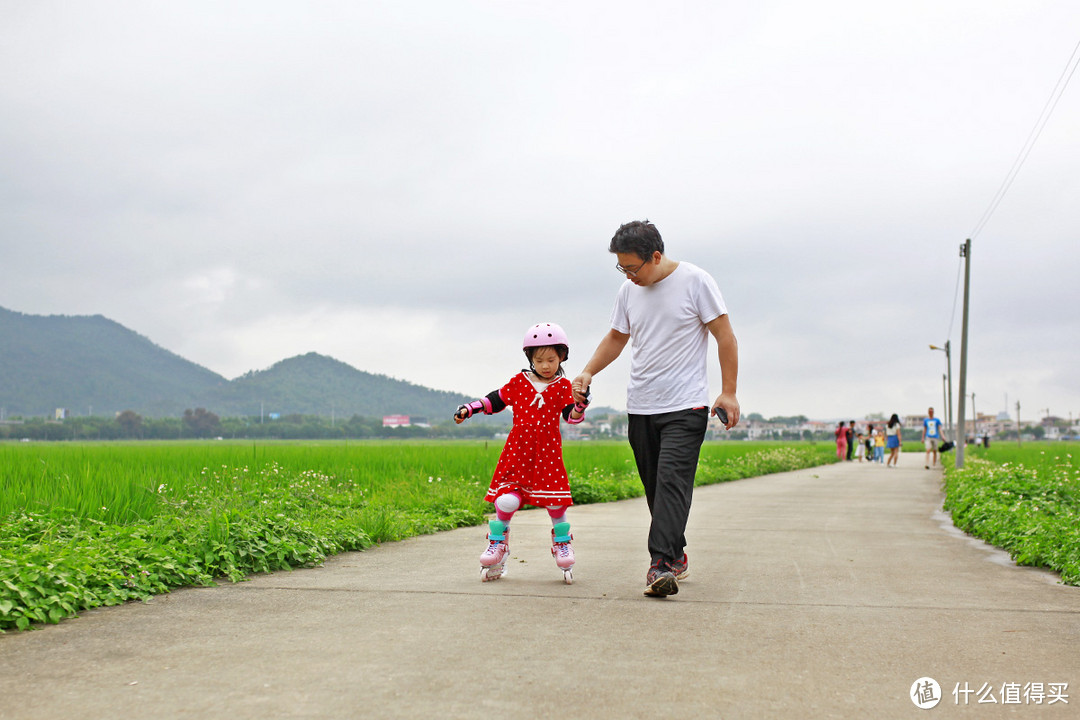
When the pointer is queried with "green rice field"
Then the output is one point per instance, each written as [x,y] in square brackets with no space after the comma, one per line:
[89,524]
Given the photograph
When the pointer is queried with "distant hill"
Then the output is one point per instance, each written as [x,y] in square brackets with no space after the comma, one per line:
[94,364]
[79,363]
[315,384]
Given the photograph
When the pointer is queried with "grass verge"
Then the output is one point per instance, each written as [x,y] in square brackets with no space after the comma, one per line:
[1023,500]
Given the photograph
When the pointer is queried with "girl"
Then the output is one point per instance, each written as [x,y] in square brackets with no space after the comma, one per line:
[893,440]
[841,441]
[530,470]
[879,445]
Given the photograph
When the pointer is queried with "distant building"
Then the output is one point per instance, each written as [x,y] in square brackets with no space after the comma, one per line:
[396,421]
[61,413]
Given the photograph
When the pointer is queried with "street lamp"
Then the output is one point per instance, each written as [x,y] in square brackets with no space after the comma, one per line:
[948,409]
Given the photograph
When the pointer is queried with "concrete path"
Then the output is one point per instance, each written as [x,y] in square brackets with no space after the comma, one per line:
[823,593]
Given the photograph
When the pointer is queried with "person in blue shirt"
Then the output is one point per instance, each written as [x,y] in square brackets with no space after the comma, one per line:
[931,435]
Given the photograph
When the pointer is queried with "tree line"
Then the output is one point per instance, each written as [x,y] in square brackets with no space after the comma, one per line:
[200,423]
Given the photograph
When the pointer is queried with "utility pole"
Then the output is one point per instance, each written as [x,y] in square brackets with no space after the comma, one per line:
[1018,443]
[948,396]
[975,418]
[945,393]
[948,363]
[961,434]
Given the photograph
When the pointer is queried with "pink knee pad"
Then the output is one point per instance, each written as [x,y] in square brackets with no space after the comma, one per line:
[506,505]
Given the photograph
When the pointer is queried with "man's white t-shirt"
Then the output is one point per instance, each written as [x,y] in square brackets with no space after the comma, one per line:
[669,340]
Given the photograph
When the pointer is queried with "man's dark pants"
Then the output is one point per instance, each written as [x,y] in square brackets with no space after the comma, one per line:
[666,450]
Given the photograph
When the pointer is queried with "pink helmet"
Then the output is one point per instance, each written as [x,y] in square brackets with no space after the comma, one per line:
[543,334]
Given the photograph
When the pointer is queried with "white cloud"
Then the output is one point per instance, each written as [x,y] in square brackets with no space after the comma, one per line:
[377,182]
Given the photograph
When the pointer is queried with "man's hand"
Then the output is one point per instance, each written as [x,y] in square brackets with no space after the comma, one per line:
[580,386]
[731,407]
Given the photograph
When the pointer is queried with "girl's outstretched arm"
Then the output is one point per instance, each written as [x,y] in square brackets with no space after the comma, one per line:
[489,405]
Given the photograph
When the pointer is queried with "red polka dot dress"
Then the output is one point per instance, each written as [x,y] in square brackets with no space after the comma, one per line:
[531,463]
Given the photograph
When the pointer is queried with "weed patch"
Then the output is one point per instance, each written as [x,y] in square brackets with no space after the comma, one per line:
[1025,502]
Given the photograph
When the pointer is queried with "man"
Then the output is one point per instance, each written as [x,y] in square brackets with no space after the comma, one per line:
[931,434]
[851,438]
[666,309]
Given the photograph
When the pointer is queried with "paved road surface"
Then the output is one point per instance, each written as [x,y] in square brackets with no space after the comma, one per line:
[823,593]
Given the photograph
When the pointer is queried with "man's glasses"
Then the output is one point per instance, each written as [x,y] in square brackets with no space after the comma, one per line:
[632,272]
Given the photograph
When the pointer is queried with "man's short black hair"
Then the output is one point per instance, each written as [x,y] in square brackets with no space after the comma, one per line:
[638,237]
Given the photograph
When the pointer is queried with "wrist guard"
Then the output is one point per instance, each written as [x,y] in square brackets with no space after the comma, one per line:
[579,408]
[467,411]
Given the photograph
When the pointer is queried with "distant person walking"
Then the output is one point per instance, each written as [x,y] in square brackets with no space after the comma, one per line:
[851,436]
[893,440]
[666,310]
[841,441]
[530,470]
[931,435]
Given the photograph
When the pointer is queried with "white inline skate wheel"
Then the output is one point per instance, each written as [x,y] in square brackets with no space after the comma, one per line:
[491,573]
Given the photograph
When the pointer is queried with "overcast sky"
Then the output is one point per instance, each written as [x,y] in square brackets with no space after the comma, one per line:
[408,186]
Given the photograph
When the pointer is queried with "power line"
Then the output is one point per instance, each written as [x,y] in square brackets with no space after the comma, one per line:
[956,294]
[1033,136]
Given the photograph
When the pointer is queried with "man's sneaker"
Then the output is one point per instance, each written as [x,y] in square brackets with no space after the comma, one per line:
[660,581]
[680,568]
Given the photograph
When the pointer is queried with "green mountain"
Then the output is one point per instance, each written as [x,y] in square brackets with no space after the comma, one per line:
[93,365]
[315,384]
